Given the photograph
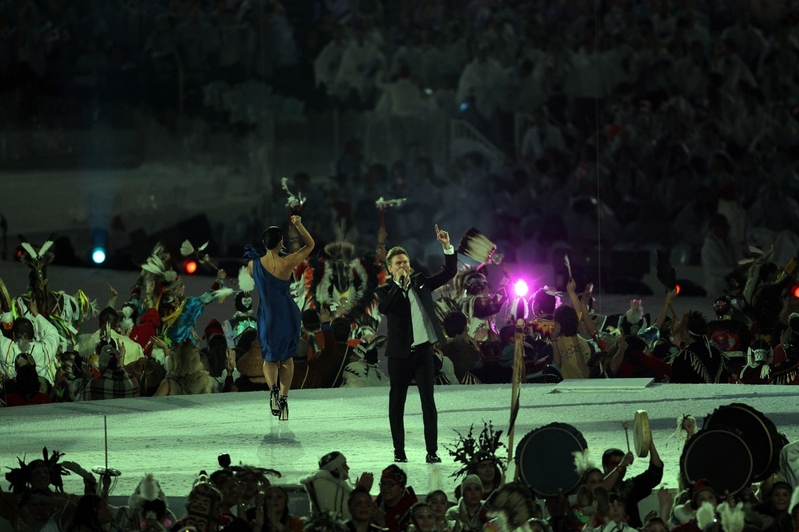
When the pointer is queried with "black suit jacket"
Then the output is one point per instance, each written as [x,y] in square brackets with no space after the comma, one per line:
[397,307]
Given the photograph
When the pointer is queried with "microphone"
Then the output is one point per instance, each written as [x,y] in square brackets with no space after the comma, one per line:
[402,280]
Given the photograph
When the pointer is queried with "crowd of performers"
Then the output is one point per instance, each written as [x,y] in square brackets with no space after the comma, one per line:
[478,497]
[155,343]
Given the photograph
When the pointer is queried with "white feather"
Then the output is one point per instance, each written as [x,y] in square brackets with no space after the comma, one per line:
[85,345]
[186,248]
[246,282]
[380,203]
[44,248]
[794,500]
[126,324]
[732,519]
[94,309]
[154,265]
[127,312]
[149,487]
[170,276]
[32,252]
[568,265]
[7,317]
[222,293]
[293,201]
[201,248]
[705,515]
[582,461]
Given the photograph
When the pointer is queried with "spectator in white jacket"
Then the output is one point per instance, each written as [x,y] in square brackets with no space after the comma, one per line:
[329,487]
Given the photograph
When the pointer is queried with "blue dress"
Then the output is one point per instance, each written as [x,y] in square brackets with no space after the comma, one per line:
[278,315]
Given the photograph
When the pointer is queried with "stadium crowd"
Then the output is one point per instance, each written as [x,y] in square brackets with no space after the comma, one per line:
[671,126]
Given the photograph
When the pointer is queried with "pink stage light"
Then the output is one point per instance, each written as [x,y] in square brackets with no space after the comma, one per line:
[520,288]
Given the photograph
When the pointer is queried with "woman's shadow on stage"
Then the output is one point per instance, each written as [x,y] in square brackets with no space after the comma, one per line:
[279,440]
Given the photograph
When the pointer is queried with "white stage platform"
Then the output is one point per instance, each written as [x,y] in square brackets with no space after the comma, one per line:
[176,437]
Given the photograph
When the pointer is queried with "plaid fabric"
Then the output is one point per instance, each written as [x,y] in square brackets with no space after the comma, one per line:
[112,384]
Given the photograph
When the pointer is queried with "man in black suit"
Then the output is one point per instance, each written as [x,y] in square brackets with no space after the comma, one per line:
[407,302]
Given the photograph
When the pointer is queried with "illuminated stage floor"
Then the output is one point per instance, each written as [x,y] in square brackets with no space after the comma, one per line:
[175,437]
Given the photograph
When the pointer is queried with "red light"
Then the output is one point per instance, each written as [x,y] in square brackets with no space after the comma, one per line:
[190,266]
[678,289]
[18,253]
[796,291]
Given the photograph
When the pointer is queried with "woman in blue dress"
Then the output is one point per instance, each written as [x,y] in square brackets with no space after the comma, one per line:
[278,315]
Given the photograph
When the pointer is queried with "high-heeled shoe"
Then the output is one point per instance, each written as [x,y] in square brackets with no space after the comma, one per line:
[283,402]
[274,401]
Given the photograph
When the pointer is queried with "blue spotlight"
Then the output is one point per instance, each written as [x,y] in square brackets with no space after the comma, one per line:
[98,255]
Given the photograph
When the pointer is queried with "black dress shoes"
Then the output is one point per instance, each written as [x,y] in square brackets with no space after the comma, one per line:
[399,457]
[433,458]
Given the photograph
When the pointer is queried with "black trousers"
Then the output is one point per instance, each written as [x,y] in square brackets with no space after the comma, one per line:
[401,372]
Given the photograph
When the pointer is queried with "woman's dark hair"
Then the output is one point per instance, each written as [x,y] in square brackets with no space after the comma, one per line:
[615,496]
[23,329]
[216,355]
[272,237]
[355,491]
[27,382]
[157,506]
[310,319]
[341,329]
[415,508]
[566,316]
[543,303]
[434,493]
[507,334]
[697,325]
[635,343]
[284,516]
[588,472]
[245,342]
[482,456]
[454,323]
[86,514]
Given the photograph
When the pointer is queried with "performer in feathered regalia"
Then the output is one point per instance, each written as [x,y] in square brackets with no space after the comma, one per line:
[476,302]
[160,287]
[243,318]
[65,312]
[344,280]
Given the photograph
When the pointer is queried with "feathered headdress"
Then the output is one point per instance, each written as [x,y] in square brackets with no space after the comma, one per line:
[341,251]
[468,450]
[260,473]
[157,266]
[37,258]
[477,246]
[470,281]
[127,318]
[19,478]
[582,461]
[246,282]
[85,349]
[149,489]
